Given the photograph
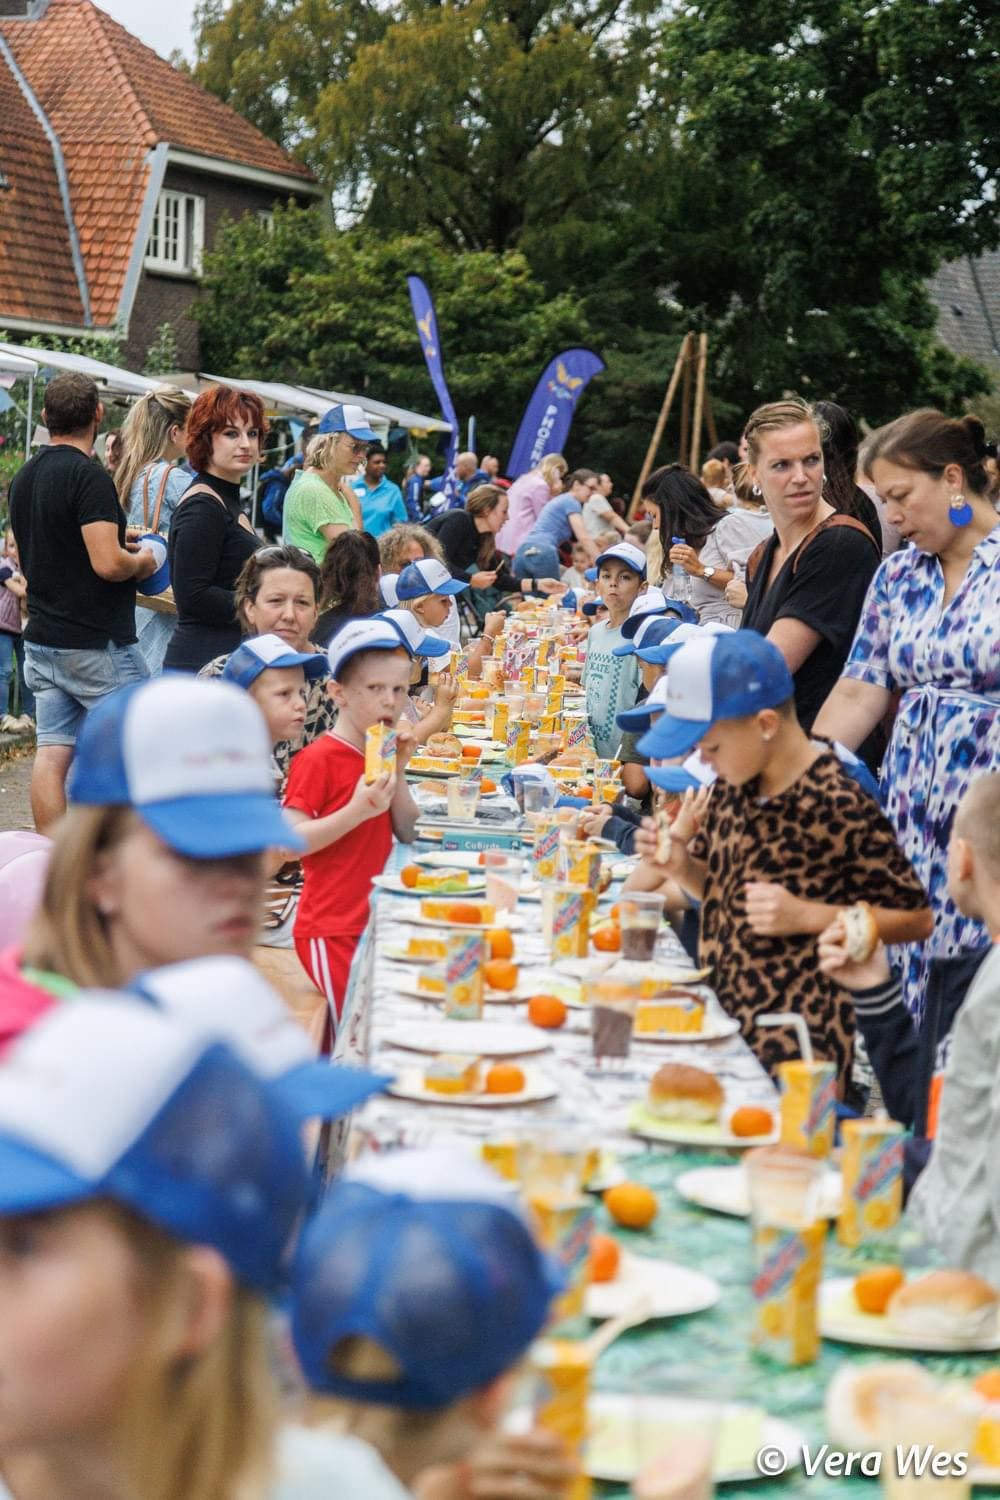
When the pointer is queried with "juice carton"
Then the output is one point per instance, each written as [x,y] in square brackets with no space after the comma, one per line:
[501,1155]
[518,741]
[577,732]
[498,727]
[544,647]
[565,1227]
[380,751]
[606,788]
[570,907]
[788,1265]
[499,645]
[557,683]
[581,863]
[528,679]
[458,662]
[553,704]
[562,1370]
[463,977]
[872,1167]
[808,1106]
[545,851]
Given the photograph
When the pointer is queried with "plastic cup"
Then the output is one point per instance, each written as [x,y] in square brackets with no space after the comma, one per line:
[503,878]
[612,1009]
[788,1234]
[640,915]
[463,799]
[537,797]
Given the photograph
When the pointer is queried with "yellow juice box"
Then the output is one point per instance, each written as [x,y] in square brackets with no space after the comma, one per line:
[380,751]
[501,1155]
[547,724]
[545,850]
[571,908]
[788,1264]
[463,977]
[808,1106]
[581,863]
[528,678]
[577,733]
[561,1369]
[566,1227]
[498,725]
[872,1167]
[518,741]
[606,788]
[458,662]
[557,682]
[544,647]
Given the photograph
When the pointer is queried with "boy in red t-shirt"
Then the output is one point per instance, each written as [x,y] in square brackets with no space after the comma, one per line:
[346,824]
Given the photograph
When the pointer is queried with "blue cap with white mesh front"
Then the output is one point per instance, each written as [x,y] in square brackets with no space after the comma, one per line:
[651,602]
[716,677]
[193,757]
[417,640]
[593,605]
[652,630]
[261,652]
[427,576]
[109,1098]
[660,652]
[636,719]
[350,419]
[425,1253]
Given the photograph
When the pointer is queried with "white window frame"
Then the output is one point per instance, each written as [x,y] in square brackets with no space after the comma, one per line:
[168,250]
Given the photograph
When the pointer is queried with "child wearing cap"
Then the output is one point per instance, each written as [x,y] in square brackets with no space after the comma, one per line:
[160,856]
[346,823]
[424,1376]
[781,843]
[612,682]
[276,677]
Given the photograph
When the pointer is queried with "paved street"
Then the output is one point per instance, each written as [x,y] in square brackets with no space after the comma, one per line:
[15,781]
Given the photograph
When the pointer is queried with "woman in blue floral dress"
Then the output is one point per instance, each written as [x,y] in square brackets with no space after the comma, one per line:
[929,632]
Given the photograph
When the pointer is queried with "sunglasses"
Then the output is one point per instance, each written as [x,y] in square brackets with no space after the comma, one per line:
[279,550]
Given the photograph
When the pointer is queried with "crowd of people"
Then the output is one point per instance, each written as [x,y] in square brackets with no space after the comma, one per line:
[797,649]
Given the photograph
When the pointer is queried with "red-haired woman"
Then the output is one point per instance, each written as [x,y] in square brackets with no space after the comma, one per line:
[210,537]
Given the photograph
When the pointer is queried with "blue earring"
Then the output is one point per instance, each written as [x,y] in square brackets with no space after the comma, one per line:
[960,511]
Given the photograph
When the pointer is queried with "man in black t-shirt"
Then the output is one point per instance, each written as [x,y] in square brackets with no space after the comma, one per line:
[79,644]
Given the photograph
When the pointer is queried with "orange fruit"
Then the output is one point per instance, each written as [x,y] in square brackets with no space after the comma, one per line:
[500,974]
[988,1385]
[751,1119]
[471,752]
[615,912]
[486,785]
[482,857]
[505,1078]
[605,1258]
[631,1204]
[500,942]
[546,1011]
[872,1289]
[608,939]
[409,875]
[462,913]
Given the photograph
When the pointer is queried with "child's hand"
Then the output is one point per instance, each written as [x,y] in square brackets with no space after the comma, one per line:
[446,691]
[772,911]
[406,743]
[834,960]
[736,593]
[372,798]
[592,823]
[690,813]
[493,624]
[483,580]
[533,1465]
[551,586]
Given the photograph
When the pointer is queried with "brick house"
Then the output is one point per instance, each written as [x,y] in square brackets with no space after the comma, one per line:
[115,170]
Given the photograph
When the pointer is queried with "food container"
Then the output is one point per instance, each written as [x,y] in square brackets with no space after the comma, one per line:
[566,913]
[498,723]
[566,1227]
[545,850]
[463,977]
[808,1104]
[872,1168]
[561,1371]
[788,1234]
[518,740]
[581,863]
[380,752]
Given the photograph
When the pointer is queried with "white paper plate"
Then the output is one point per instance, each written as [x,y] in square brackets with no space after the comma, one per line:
[475,887]
[715,1027]
[724,1191]
[692,1132]
[410,1085]
[673,1290]
[399,955]
[626,1432]
[503,919]
[480,1038]
[516,996]
[441,859]
[840,1318]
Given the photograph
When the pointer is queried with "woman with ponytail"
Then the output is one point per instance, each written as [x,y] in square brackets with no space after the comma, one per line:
[930,632]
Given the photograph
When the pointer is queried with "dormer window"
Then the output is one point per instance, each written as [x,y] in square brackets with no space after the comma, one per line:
[177,238]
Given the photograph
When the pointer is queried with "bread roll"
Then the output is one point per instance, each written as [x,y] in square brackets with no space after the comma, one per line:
[853,1399]
[945,1304]
[443,744]
[680,1092]
[862,931]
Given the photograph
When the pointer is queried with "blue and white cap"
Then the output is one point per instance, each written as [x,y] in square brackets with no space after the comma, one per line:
[387,588]
[592,606]
[151,541]
[660,652]
[717,677]
[568,600]
[228,1000]
[417,640]
[428,576]
[642,715]
[427,1254]
[653,630]
[590,574]
[650,602]
[261,652]
[633,557]
[109,1098]
[350,419]
[689,776]
[375,634]
[192,757]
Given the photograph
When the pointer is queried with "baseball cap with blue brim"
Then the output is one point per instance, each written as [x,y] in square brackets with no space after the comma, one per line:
[426,1253]
[568,600]
[261,652]
[652,631]
[151,541]
[590,574]
[376,634]
[717,677]
[387,588]
[636,719]
[428,576]
[192,757]
[690,776]
[227,1000]
[625,552]
[109,1098]
[660,653]
[417,640]
[651,602]
[593,605]
[350,419]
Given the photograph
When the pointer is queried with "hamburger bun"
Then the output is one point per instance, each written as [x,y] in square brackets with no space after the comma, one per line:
[861,931]
[945,1304]
[446,745]
[853,1407]
[680,1092]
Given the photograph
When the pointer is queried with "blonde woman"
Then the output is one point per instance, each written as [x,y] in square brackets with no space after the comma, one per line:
[150,480]
[527,496]
[320,503]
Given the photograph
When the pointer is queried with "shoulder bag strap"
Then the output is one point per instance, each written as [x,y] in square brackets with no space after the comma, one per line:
[837,519]
[159,497]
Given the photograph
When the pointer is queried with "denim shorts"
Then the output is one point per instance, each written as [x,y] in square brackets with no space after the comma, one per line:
[537,560]
[67,682]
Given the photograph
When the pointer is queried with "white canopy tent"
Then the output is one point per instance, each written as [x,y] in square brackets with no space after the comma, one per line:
[304,400]
[18,367]
[112,380]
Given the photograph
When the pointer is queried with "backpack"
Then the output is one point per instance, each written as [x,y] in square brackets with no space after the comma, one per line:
[272,487]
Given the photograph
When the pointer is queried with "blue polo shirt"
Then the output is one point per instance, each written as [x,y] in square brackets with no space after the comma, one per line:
[381,507]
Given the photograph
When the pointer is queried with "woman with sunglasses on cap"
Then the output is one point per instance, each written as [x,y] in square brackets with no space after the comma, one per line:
[161,854]
[320,504]
[210,537]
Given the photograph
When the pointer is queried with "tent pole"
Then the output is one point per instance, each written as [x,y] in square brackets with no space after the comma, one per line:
[27,428]
[699,401]
[661,422]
